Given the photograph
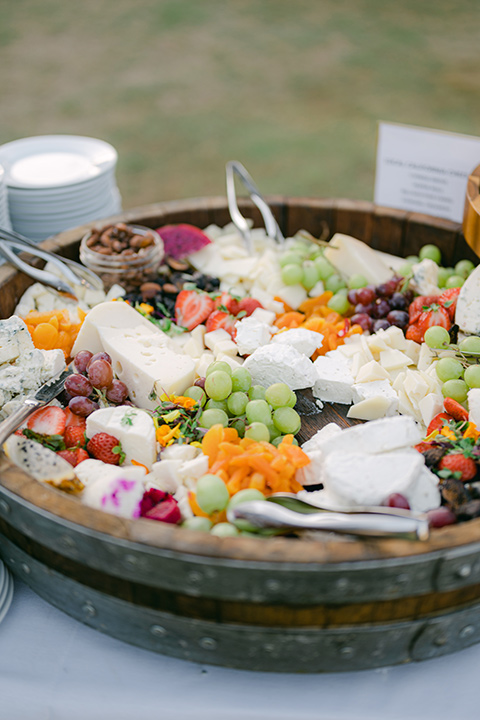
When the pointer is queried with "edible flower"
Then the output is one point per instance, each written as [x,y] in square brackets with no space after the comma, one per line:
[185,402]
[449,434]
[166,435]
[471,432]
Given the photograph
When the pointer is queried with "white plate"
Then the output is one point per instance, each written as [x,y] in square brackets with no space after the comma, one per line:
[94,185]
[8,596]
[59,212]
[51,161]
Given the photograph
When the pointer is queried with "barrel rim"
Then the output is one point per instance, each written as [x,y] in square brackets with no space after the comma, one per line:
[160,535]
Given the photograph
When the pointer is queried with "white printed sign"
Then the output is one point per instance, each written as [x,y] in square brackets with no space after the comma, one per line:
[424,171]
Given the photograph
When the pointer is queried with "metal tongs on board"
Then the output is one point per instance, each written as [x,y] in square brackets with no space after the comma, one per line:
[271,226]
[72,271]
[285,512]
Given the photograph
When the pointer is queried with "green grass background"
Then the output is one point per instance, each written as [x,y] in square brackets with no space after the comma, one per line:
[294,90]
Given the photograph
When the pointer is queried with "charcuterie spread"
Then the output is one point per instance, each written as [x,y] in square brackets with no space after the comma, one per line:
[183,400]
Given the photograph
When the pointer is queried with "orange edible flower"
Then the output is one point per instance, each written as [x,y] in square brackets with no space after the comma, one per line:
[165,435]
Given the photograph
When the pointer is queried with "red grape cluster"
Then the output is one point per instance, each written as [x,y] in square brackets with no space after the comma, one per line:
[94,373]
[379,307]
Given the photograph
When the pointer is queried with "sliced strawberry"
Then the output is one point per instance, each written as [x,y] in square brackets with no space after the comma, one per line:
[221,320]
[458,463]
[453,408]
[49,420]
[182,239]
[448,299]
[72,420]
[435,315]
[248,305]
[192,308]
[423,447]
[74,436]
[418,306]
[225,301]
[437,422]
[74,456]
[415,333]
[106,448]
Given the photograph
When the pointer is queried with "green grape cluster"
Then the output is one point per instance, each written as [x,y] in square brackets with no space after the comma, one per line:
[460,372]
[212,496]
[448,277]
[230,399]
[305,264]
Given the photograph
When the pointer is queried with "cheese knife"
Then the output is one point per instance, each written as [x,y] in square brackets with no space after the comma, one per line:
[45,394]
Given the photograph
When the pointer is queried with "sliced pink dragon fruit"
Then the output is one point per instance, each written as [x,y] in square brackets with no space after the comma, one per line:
[151,498]
[166,511]
[181,240]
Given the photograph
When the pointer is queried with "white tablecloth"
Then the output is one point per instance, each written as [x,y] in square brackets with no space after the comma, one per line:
[55,668]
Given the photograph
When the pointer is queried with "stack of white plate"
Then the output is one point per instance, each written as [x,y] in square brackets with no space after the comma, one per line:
[4,216]
[6,590]
[56,182]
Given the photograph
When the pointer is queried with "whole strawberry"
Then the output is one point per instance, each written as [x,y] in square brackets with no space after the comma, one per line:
[106,448]
[459,463]
[74,437]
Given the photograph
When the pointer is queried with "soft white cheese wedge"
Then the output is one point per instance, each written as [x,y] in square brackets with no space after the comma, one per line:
[271,362]
[424,493]
[312,474]
[334,380]
[350,256]
[362,479]
[147,367]
[378,436]
[109,315]
[305,341]
[134,429]
[251,334]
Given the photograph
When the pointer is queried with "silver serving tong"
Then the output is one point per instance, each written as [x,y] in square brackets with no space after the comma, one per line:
[271,226]
[270,515]
[74,272]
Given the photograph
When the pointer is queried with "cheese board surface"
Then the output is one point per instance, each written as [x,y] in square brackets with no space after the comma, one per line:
[246,602]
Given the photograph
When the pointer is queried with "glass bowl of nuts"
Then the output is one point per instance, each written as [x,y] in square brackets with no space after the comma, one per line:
[129,255]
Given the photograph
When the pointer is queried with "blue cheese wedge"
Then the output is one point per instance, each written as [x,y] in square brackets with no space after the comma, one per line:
[467,314]
[14,339]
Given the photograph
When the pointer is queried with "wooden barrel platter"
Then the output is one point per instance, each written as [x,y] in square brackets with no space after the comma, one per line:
[278,604]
